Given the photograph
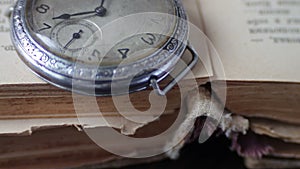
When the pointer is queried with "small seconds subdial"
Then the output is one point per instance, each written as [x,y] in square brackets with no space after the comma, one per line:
[75,35]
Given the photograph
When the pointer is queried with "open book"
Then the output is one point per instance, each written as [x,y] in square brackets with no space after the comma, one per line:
[258,43]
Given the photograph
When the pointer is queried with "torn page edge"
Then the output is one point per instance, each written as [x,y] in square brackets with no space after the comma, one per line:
[206,106]
[28,126]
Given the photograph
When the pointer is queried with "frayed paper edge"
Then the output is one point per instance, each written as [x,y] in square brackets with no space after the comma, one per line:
[202,105]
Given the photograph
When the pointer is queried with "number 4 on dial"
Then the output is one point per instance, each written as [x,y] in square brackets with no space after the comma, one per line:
[124,52]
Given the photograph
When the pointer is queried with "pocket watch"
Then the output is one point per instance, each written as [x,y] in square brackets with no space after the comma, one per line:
[99,44]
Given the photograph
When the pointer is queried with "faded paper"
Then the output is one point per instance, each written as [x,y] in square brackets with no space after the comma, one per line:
[12,69]
[279,130]
[27,126]
[256,40]
[198,40]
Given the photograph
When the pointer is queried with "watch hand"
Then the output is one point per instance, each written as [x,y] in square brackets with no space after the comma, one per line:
[68,16]
[99,11]
[102,2]
[75,36]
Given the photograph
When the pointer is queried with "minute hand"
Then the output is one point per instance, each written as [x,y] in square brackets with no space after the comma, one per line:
[68,16]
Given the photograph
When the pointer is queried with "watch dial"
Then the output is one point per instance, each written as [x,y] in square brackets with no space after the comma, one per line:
[94,31]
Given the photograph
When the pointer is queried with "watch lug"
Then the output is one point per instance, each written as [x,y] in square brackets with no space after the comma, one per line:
[181,75]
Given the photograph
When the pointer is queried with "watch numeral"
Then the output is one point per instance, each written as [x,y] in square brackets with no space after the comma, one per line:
[43,8]
[150,39]
[45,28]
[124,52]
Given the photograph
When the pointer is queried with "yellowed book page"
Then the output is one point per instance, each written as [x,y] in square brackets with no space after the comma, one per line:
[14,71]
[258,40]
[192,7]
[198,40]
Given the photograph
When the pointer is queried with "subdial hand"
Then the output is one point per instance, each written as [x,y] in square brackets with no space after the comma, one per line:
[99,11]
[76,35]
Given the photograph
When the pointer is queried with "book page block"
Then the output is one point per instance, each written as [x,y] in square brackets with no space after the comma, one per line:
[256,40]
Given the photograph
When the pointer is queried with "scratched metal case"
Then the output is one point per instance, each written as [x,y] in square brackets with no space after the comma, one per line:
[105,80]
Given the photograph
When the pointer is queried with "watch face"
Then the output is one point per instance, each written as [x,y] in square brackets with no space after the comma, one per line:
[94,31]
[100,43]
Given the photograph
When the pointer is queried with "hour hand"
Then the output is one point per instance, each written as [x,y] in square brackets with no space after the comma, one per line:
[99,11]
